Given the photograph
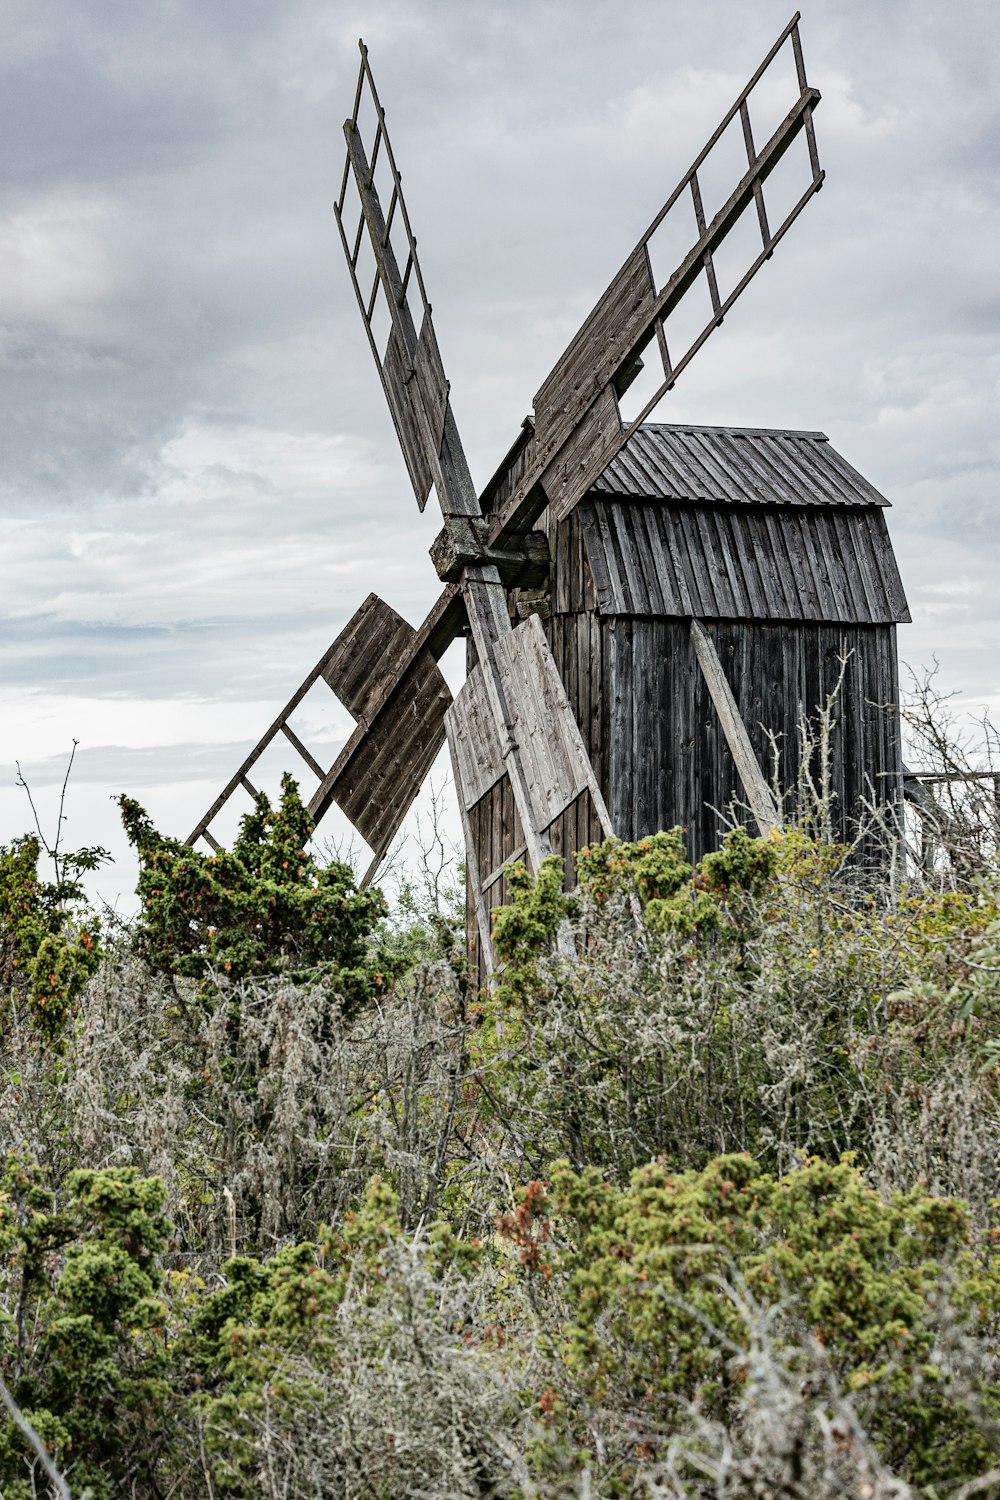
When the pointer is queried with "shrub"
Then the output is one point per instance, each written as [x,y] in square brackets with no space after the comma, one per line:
[49,942]
[82,1352]
[261,1106]
[707,1010]
[701,1298]
[650,1319]
[360,1364]
[267,906]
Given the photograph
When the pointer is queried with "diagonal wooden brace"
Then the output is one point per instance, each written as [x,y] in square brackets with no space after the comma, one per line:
[757,790]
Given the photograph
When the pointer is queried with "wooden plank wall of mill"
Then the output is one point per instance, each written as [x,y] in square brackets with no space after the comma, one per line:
[650,727]
[662,716]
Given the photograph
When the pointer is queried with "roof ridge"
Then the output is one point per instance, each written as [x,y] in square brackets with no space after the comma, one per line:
[793,432]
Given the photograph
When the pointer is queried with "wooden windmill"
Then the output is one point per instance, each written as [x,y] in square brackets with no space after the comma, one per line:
[540,752]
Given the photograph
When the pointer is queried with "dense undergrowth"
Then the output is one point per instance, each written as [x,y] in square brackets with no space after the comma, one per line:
[288,1208]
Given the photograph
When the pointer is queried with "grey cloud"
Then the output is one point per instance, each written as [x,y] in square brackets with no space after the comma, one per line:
[63,117]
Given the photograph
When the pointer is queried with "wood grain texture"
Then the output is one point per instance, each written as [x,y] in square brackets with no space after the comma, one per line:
[755,788]
[776,674]
[383,766]
[366,656]
[400,391]
[735,466]
[595,353]
[553,754]
[594,439]
[716,561]
[478,923]
[431,382]
[476,749]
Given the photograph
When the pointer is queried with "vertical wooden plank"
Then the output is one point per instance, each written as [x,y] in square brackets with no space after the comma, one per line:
[557,579]
[889,690]
[785,687]
[479,909]
[493,803]
[662,768]
[693,688]
[638,724]
[619,687]
[863,640]
[857,714]
[588,689]
[471,930]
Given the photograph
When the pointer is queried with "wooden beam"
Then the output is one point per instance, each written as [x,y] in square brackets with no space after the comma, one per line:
[480,905]
[758,793]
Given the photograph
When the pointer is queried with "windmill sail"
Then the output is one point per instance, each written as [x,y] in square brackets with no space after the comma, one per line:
[385,674]
[526,714]
[578,424]
[404,346]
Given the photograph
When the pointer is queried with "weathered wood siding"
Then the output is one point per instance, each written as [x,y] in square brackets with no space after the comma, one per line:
[724,562]
[657,745]
[669,761]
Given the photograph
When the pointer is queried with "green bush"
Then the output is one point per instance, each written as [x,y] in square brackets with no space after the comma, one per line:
[266,906]
[83,1351]
[49,942]
[653,1271]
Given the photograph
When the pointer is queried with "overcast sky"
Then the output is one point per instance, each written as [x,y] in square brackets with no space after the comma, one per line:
[199,481]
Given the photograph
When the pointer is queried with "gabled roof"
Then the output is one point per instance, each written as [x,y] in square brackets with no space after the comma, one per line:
[735,466]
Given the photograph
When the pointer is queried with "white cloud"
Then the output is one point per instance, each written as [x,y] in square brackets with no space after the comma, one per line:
[55,263]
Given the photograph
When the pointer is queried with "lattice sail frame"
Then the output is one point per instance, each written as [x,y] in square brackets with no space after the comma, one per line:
[578,423]
[409,364]
[385,674]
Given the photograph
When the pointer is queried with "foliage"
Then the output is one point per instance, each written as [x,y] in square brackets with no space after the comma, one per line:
[651,1269]
[262,907]
[672,1211]
[48,945]
[711,1009]
[527,926]
[83,1352]
[675,898]
[338,1351]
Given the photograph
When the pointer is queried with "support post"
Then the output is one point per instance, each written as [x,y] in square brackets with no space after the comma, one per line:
[758,792]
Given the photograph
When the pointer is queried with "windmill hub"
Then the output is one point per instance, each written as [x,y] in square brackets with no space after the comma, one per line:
[463,542]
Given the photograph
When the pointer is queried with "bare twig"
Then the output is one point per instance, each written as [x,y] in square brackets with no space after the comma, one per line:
[52,850]
[62,816]
[22,782]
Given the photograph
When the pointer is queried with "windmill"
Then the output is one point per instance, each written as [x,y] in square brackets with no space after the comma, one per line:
[512,731]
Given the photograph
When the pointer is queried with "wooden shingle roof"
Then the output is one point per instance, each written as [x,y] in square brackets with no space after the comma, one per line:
[735,466]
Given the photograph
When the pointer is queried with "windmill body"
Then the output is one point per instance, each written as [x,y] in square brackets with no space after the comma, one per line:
[779,549]
[642,603]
